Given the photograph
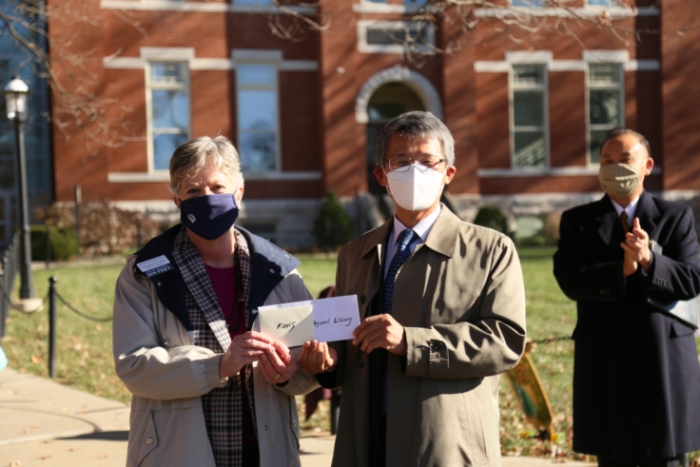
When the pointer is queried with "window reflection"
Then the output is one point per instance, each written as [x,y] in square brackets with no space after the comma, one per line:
[529,115]
[169,110]
[257,110]
[605,104]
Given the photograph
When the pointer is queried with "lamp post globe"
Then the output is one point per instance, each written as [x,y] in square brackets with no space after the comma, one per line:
[16,93]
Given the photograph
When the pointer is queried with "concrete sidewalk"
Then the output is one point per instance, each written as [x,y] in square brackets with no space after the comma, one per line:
[43,423]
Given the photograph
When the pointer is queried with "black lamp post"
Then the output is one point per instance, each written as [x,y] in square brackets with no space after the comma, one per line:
[16,92]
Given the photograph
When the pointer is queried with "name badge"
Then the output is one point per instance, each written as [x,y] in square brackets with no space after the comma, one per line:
[157,265]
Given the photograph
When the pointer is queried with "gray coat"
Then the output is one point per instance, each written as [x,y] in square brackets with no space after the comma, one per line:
[155,358]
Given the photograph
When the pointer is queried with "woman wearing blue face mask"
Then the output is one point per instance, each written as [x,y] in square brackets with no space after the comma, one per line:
[207,388]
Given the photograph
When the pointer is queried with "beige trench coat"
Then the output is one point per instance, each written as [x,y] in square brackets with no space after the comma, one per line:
[155,358]
[461,299]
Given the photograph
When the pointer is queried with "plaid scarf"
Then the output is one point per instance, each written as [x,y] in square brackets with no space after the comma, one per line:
[222,406]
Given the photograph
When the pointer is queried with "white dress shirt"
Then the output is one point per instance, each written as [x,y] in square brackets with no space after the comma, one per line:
[422,229]
[630,209]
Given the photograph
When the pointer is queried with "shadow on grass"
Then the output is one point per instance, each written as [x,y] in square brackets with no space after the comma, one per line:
[535,252]
[121,435]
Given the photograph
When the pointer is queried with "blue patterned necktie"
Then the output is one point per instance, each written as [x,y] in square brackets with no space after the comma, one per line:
[404,252]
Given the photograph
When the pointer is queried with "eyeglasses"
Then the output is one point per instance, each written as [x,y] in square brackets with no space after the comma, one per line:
[403,163]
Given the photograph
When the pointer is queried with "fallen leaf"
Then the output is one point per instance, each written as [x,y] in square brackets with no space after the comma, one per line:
[37,359]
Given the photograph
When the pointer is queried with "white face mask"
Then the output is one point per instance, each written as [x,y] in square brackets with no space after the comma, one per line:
[415,189]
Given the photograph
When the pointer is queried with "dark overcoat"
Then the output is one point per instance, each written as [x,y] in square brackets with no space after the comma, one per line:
[636,371]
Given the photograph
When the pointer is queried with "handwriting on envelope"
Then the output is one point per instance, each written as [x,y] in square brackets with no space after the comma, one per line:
[325,319]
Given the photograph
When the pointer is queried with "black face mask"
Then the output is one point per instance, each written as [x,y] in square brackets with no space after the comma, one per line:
[209,216]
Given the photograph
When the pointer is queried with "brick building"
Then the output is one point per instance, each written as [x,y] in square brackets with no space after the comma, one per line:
[527,108]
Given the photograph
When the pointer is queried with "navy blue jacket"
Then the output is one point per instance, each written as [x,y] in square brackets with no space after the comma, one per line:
[636,371]
[270,264]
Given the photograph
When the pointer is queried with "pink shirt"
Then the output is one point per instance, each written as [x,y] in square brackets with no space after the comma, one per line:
[225,285]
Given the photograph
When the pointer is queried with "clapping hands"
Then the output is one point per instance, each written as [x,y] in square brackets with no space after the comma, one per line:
[637,252]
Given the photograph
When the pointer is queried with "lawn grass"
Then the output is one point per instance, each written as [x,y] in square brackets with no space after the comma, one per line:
[85,354]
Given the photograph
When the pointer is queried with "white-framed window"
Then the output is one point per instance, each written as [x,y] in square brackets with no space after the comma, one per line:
[529,116]
[605,86]
[395,36]
[168,110]
[257,107]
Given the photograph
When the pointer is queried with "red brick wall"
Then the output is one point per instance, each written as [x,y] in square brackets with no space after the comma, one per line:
[459,98]
[77,65]
[567,118]
[680,68]
[493,135]
[318,128]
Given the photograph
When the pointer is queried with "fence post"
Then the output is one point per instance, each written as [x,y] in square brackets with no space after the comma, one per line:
[48,246]
[78,200]
[52,326]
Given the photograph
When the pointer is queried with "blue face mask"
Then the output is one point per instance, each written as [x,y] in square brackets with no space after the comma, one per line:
[209,216]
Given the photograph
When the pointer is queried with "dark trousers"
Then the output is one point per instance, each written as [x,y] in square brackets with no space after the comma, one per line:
[679,461]
[377,413]
[251,455]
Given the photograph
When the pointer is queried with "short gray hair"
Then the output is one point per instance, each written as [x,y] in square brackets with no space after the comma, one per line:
[189,158]
[415,124]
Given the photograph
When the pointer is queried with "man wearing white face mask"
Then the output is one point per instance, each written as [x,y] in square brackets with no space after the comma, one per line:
[443,310]
[636,372]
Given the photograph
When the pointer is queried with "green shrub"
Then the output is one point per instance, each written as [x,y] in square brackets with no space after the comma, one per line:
[539,239]
[493,218]
[64,244]
[333,226]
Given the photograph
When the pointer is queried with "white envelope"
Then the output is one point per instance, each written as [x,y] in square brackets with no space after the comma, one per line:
[325,319]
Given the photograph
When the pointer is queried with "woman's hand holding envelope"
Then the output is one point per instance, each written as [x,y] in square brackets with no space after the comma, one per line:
[275,359]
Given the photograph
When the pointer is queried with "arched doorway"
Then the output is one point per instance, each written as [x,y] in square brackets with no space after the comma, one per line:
[388,101]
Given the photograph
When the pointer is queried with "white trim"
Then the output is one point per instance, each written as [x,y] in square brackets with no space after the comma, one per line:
[545,172]
[538,56]
[589,56]
[587,12]
[606,56]
[201,7]
[187,54]
[165,54]
[414,80]
[364,25]
[491,66]
[159,177]
[567,65]
[138,177]
[221,64]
